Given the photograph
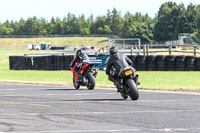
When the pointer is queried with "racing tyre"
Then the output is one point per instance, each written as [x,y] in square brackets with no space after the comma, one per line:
[91,81]
[133,90]
[76,84]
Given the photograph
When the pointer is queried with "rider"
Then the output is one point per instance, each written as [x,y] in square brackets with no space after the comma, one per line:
[78,60]
[115,62]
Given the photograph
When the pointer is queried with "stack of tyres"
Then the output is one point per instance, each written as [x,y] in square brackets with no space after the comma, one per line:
[170,63]
[160,62]
[63,64]
[197,63]
[43,62]
[133,59]
[69,60]
[150,63]
[18,63]
[57,60]
[36,63]
[11,58]
[28,63]
[141,63]
[189,63]
[51,63]
[179,63]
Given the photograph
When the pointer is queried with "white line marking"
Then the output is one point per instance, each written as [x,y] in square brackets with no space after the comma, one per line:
[120,130]
[83,131]
[8,89]
[171,92]
[102,113]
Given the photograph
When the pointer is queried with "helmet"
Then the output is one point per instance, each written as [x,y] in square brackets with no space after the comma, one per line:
[113,50]
[78,52]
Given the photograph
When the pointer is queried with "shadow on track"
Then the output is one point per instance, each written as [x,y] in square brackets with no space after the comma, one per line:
[94,100]
[66,89]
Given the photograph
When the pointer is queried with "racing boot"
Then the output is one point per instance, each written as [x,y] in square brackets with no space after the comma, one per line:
[119,86]
[116,83]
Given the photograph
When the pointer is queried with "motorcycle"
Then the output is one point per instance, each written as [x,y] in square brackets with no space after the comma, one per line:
[128,81]
[87,75]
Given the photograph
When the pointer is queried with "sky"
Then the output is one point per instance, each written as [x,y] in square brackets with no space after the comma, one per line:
[16,9]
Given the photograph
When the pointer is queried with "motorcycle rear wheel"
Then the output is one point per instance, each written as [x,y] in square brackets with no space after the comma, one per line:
[91,81]
[133,90]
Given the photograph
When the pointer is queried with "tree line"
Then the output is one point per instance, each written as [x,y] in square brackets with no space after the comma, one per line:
[170,20]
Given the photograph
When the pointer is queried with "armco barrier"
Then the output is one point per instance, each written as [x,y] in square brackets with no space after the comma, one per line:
[141,63]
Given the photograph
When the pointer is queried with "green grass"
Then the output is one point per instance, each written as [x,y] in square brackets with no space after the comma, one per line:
[170,80]
[21,43]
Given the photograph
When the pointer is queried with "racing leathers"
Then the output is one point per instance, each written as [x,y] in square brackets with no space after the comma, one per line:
[115,62]
[79,60]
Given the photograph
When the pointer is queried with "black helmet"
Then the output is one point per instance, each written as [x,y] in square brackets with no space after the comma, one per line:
[78,52]
[113,50]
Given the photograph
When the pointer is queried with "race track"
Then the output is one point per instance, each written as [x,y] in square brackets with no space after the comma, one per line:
[46,109]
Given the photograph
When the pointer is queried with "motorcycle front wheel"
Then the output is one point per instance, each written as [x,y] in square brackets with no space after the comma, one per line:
[91,81]
[76,84]
[133,90]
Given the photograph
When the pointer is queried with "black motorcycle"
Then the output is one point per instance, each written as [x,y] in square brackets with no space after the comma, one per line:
[128,80]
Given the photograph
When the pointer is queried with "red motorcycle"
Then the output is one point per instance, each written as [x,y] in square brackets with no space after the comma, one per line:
[87,75]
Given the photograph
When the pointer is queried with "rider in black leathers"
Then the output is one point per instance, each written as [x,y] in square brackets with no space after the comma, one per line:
[80,57]
[115,62]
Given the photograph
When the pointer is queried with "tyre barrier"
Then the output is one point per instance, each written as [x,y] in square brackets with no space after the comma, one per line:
[170,63]
[189,63]
[133,59]
[179,63]
[140,62]
[54,62]
[150,63]
[160,63]
[197,64]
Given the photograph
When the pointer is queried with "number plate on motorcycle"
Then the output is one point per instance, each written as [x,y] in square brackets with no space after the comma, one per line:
[129,72]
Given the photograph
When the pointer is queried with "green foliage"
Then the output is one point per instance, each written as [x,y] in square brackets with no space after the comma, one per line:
[171,20]
[85,31]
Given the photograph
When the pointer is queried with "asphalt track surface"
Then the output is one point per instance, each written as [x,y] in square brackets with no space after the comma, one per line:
[54,109]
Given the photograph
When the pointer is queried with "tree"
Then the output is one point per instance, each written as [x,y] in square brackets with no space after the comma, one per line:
[116,22]
[165,28]
[197,22]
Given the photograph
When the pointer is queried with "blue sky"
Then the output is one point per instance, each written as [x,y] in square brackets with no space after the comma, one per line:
[16,9]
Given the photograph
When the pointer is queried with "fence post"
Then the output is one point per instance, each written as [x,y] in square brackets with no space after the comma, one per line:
[144,49]
[170,49]
[147,49]
[195,51]
[107,50]
[131,50]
